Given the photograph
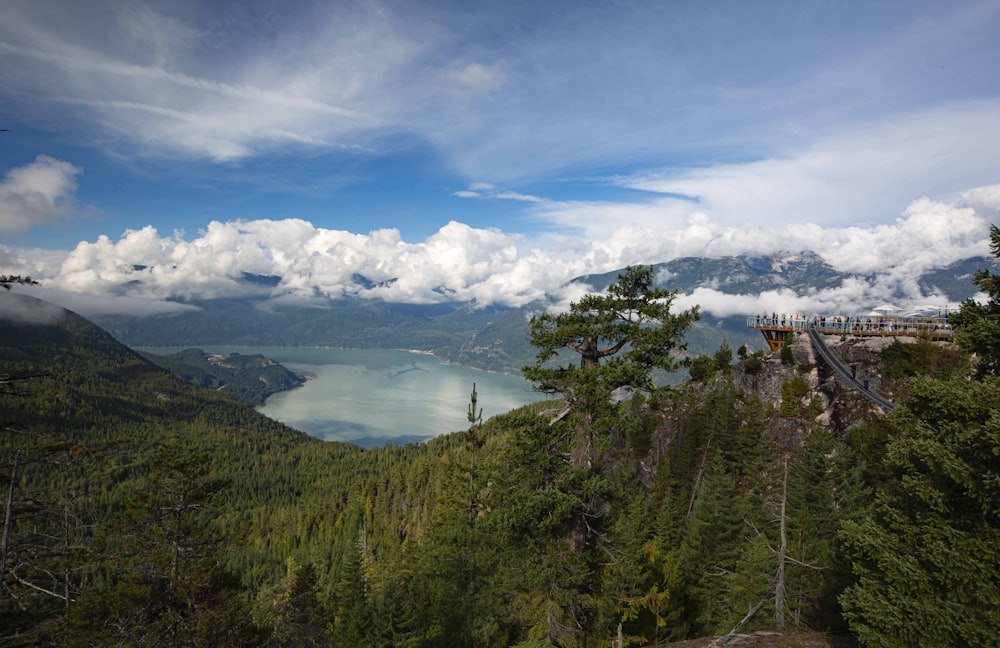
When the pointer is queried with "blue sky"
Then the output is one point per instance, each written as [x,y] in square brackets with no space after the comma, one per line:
[492,149]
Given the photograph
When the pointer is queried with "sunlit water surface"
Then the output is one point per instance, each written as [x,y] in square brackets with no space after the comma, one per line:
[377,396]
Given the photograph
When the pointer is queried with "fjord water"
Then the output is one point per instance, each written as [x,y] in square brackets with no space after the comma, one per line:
[372,397]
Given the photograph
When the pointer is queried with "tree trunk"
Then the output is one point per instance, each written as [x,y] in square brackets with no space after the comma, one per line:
[66,552]
[8,510]
[590,355]
[698,477]
[779,586]
[580,453]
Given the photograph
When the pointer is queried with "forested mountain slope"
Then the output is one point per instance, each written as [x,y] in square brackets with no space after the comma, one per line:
[145,511]
[250,379]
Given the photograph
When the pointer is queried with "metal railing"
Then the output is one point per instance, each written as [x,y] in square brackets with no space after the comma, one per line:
[841,369]
[934,327]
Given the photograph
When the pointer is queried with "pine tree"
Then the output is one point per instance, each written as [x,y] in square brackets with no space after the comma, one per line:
[619,338]
[352,619]
[7,281]
[977,326]
[167,587]
[550,567]
[642,578]
[297,616]
[927,558]
[712,546]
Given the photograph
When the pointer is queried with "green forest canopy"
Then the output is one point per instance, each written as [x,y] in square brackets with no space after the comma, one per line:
[144,511]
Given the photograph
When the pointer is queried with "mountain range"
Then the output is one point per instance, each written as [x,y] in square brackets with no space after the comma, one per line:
[495,337]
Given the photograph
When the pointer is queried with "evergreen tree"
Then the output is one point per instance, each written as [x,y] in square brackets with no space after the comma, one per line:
[749,450]
[545,516]
[453,569]
[723,357]
[163,585]
[786,355]
[927,557]
[7,281]
[43,540]
[712,546]
[297,618]
[352,620]
[642,578]
[823,488]
[977,326]
[619,338]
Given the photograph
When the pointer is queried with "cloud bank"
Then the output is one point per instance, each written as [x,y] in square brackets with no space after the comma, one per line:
[295,261]
[23,310]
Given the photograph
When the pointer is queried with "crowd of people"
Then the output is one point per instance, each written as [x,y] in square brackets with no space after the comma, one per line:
[855,324]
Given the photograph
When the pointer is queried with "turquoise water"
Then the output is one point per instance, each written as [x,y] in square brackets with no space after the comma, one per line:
[377,396]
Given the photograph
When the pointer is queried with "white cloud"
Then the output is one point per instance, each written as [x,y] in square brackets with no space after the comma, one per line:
[855,176]
[18,308]
[457,263]
[36,194]
[96,305]
[28,261]
[481,78]
[851,298]
[928,234]
[984,200]
[513,195]
[163,85]
[487,190]
[464,263]
[505,93]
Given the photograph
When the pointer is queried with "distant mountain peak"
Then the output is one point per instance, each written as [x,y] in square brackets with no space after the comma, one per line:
[270,281]
[369,284]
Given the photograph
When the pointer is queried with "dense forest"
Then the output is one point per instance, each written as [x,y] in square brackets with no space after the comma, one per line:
[140,510]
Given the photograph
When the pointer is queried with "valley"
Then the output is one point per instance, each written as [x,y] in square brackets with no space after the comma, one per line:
[371,397]
[758,495]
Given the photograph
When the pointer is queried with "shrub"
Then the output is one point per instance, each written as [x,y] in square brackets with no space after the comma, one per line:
[723,357]
[754,363]
[702,368]
[786,355]
[792,392]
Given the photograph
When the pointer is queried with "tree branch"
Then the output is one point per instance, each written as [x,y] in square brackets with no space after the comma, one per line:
[729,636]
[40,589]
[612,350]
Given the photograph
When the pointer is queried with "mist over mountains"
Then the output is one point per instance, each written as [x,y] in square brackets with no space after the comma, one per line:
[495,336]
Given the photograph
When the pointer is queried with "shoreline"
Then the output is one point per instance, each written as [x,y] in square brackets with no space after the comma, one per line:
[158,350]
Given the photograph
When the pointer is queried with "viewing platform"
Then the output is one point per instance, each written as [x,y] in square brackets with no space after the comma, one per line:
[777,329]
